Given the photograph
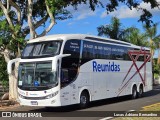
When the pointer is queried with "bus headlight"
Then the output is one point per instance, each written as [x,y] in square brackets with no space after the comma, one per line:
[51,95]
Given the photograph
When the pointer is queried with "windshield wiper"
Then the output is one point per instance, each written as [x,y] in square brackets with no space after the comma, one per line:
[33,88]
[52,85]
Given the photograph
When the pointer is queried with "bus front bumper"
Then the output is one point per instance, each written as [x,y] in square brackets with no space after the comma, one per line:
[45,102]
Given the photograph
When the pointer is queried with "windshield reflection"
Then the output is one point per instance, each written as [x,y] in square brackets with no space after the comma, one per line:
[36,75]
[42,49]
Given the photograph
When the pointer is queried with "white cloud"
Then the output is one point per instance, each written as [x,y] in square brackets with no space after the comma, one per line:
[125,12]
[86,23]
[84,14]
[70,23]
[83,11]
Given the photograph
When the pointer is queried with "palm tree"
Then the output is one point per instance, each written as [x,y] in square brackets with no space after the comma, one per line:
[157,46]
[112,30]
[115,31]
[154,40]
[159,54]
[134,36]
[158,43]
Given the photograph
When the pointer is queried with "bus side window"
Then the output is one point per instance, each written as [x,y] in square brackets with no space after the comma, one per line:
[119,53]
[125,54]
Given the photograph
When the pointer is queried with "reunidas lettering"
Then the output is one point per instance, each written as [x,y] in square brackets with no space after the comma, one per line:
[110,67]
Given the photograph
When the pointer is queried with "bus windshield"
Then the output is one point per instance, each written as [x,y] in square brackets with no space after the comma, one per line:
[42,49]
[36,75]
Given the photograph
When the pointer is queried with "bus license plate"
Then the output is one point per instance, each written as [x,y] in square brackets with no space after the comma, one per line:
[34,103]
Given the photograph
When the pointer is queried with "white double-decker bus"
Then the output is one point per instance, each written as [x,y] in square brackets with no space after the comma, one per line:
[60,70]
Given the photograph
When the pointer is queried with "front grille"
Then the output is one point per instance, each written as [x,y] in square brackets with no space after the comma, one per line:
[34,98]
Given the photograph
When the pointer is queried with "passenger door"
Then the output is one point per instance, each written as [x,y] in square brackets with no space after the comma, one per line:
[69,67]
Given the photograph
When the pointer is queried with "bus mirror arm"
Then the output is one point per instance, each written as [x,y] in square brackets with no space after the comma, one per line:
[57,58]
[9,65]
[63,55]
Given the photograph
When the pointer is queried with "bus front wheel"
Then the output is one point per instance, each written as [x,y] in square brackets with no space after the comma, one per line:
[84,99]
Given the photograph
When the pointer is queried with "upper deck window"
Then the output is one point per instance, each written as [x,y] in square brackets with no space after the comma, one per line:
[42,49]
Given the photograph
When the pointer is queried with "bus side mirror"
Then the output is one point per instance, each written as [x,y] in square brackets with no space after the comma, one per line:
[9,65]
[55,59]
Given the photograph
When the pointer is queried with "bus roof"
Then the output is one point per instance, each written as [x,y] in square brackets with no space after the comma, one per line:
[82,36]
[58,37]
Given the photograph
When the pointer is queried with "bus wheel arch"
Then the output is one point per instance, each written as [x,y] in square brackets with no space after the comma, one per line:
[134,92]
[140,90]
[84,98]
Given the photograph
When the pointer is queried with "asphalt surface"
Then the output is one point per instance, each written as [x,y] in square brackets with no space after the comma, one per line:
[95,111]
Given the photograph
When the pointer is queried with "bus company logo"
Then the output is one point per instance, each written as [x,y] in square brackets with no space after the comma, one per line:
[33,94]
[110,67]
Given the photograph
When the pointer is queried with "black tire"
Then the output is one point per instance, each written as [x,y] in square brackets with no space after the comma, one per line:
[84,100]
[134,92]
[140,93]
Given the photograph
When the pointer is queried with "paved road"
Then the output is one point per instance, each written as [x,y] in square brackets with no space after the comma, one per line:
[116,104]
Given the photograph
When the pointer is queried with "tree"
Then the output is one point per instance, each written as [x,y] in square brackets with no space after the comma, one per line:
[156,67]
[134,36]
[146,15]
[3,74]
[14,16]
[113,30]
[154,40]
[158,61]
[112,5]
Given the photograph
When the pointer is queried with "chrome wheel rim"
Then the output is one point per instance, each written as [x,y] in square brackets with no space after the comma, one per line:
[83,99]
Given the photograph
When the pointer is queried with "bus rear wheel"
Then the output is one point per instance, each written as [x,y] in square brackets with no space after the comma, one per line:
[140,93]
[134,92]
[84,99]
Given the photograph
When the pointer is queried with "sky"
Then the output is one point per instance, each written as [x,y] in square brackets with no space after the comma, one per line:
[85,21]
